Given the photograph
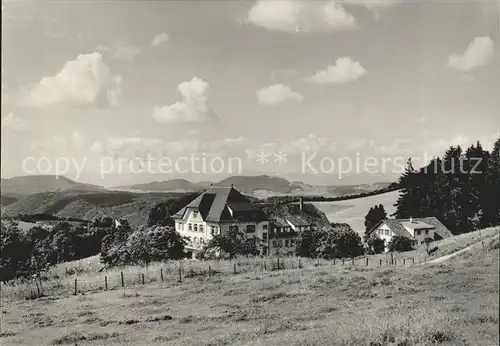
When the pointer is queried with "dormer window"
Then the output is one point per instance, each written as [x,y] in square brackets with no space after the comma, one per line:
[195,213]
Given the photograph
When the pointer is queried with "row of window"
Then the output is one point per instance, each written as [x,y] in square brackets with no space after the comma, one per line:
[286,242]
[421,231]
[194,227]
[248,228]
[197,241]
[384,231]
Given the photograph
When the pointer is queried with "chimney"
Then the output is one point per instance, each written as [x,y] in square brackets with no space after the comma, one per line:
[411,219]
[301,203]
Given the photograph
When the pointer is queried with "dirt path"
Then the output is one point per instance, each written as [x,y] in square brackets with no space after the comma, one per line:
[459,252]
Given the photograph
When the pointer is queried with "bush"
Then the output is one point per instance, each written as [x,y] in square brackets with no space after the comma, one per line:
[375,245]
[400,244]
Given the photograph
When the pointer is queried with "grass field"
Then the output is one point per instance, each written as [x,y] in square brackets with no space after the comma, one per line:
[353,211]
[453,303]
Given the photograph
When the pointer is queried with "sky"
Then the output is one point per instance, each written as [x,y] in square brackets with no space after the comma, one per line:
[122,92]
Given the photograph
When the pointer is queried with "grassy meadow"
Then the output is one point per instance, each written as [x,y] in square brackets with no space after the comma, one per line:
[452,303]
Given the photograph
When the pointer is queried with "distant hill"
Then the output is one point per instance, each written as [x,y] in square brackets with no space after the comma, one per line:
[250,184]
[261,186]
[30,184]
[134,207]
[168,185]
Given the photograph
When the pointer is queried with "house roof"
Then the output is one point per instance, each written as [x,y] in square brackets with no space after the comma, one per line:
[298,220]
[398,226]
[213,206]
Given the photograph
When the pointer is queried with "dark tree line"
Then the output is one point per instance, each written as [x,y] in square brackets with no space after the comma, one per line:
[25,253]
[462,189]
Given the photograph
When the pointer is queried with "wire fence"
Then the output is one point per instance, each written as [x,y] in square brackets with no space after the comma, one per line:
[176,272]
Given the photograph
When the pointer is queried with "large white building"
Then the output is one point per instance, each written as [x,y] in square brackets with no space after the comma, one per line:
[416,229]
[216,211]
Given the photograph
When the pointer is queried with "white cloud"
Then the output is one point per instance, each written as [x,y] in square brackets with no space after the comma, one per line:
[13,122]
[300,16]
[345,70]
[121,50]
[82,82]
[159,39]
[398,146]
[276,94]
[479,53]
[310,143]
[192,108]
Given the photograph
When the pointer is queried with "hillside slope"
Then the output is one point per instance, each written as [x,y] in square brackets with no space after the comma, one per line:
[354,211]
[133,207]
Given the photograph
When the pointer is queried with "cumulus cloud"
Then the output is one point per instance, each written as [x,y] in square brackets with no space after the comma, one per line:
[479,53]
[276,94]
[82,82]
[300,16]
[160,39]
[377,7]
[193,107]
[345,70]
[13,122]
[121,50]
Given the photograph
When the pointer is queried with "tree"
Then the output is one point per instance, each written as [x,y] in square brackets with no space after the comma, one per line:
[230,243]
[161,214]
[14,259]
[428,242]
[375,214]
[307,243]
[375,245]
[400,244]
[340,241]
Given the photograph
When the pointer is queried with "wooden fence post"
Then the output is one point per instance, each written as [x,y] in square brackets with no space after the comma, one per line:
[278,263]
[381,262]
[392,258]
[343,260]
[234,268]
[353,261]
[300,264]
[367,261]
[404,261]
[180,275]
[142,277]
[76,286]
[209,270]
[413,260]
[161,274]
[334,261]
[123,281]
[105,282]
[265,266]
[37,289]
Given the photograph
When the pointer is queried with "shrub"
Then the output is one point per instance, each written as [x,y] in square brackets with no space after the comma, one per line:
[400,244]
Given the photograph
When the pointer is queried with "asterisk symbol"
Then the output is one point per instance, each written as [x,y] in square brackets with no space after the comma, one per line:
[280,158]
[262,157]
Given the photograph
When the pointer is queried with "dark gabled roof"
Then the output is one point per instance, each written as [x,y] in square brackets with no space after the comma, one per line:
[298,220]
[396,225]
[213,205]
[278,222]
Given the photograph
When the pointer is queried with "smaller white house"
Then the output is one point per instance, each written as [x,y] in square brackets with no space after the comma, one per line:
[416,229]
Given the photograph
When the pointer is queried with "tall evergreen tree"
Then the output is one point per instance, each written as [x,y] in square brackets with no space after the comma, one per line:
[375,214]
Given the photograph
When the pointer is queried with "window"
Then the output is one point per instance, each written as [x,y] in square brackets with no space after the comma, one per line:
[233,228]
[190,226]
[195,240]
[201,228]
[250,228]
[287,243]
[202,240]
[292,242]
[386,232]
[417,232]
[264,226]
[195,213]
[264,237]
[212,230]
[426,232]
[264,251]
[195,227]
[274,243]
